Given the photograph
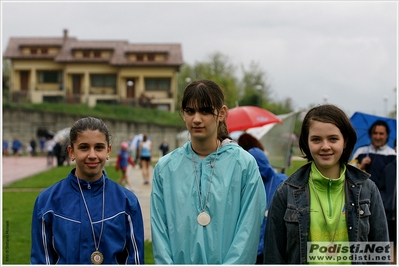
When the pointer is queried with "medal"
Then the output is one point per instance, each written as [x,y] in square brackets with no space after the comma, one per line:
[97,257]
[203,219]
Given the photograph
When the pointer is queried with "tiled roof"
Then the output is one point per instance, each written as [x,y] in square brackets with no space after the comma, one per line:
[120,51]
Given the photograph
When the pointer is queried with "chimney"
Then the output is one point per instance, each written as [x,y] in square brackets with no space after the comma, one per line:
[65,34]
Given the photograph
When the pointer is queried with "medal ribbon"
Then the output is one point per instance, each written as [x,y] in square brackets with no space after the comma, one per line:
[96,246]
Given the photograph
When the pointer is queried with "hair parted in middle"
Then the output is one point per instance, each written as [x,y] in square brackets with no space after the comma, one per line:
[88,123]
[206,95]
[328,113]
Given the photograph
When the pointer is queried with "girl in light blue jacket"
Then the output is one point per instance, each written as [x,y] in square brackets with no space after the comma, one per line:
[207,199]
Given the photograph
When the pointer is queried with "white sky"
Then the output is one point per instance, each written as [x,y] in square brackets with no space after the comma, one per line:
[340,51]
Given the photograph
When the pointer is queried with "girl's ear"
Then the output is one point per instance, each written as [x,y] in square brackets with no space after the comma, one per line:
[109,150]
[223,113]
[71,153]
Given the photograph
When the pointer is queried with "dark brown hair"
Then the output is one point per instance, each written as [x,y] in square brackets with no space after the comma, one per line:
[248,141]
[379,123]
[328,114]
[206,95]
[88,123]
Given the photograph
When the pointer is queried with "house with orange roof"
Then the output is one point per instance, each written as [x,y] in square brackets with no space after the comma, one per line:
[55,69]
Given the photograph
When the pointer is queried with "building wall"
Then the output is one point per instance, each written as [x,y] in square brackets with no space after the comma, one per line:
[25,123]
[37,90]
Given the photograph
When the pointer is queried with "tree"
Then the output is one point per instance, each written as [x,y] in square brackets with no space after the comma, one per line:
[218,69]
[6,78]
[253,89]
[254,86]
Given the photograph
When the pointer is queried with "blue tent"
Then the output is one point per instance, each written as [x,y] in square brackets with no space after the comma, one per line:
[362,122]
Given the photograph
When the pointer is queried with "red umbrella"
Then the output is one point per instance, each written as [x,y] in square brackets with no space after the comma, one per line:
[245,117]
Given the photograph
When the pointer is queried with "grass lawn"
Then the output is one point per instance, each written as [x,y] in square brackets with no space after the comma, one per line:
[18,201]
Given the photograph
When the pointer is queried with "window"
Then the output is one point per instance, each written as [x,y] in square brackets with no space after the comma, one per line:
[86,54]
[140,57]
[44,51]
[50,76]
[97,54]
[157,84]
[151,57]
[103,80]
[33,50]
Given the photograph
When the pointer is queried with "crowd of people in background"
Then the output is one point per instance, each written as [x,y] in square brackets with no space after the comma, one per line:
[48,148]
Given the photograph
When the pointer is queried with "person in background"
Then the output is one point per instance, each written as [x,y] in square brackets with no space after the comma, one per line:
[5,148]
[164,147]
[49,145]
[64,152]
[326,200]
[87,218]
[374,157]
[271,179]
[388,194]
[207,201]
[33,147]
[42,142]
[16,146]
[145,147]
[122,162]
[58,153]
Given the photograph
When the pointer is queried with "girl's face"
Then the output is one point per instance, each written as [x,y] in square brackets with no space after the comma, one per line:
[90,151]
[203,124]
[326,145]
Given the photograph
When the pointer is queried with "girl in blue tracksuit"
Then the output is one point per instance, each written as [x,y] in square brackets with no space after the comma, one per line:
[87,218]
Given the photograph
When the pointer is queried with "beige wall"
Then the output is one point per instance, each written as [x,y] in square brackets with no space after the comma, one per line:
[85,69]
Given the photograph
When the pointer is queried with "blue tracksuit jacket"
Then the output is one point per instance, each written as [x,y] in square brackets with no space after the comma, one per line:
[61,230]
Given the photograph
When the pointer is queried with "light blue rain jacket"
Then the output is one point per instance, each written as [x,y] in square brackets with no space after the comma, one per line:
[236,205]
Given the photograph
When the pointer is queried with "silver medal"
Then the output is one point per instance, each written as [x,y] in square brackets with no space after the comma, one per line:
[203,219]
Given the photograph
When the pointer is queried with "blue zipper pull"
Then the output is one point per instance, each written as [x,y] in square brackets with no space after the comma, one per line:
[88,186]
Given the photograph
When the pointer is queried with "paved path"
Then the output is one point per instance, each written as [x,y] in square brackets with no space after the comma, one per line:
[143,192]
[17,168]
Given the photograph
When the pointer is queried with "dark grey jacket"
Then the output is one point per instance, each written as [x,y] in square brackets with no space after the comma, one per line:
[289,217]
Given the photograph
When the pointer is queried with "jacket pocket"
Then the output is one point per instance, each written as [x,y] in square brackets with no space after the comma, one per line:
[364,215]
[291,219]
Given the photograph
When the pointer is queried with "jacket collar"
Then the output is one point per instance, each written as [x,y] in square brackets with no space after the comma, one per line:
[225,145]
[300,178]
[94,187]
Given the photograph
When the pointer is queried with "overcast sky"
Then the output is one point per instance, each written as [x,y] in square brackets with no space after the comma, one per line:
[345,53]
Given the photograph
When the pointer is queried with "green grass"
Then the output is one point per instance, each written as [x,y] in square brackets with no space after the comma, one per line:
[17,216]
[18,201]
[120,112]
[296,164]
